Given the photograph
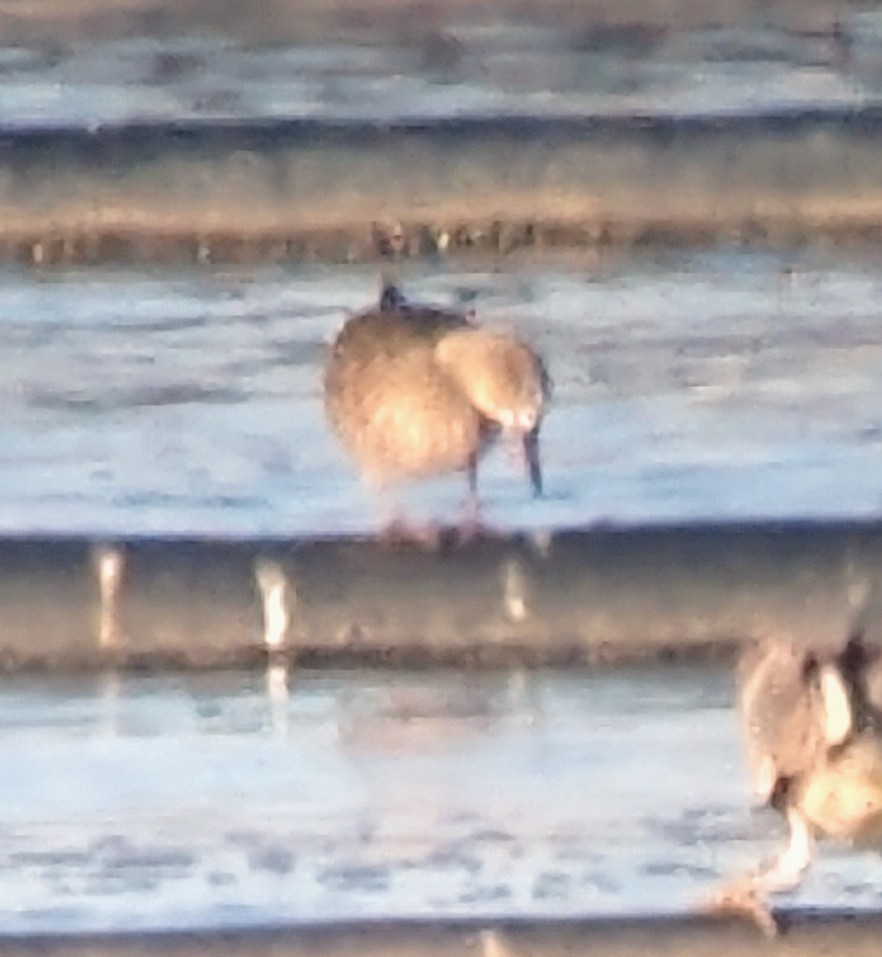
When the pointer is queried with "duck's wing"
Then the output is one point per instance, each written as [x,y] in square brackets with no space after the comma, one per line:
[781,713]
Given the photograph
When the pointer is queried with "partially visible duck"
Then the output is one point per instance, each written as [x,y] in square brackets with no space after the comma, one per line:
[414,391]
[813,722]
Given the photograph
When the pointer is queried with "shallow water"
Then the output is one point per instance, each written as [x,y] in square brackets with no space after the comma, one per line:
[687,386]
[490,70]
[725,384]
[230,799]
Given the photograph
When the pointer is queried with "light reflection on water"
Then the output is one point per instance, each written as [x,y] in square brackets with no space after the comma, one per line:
[184,801]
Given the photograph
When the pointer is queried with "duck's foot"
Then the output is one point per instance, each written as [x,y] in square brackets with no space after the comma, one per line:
[434,537]
[471,526]
[429,536]
[471,529]
[741,898]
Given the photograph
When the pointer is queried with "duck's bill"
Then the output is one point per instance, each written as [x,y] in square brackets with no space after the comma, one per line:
[532,460]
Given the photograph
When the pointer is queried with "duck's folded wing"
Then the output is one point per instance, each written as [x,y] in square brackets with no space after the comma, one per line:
[780,711]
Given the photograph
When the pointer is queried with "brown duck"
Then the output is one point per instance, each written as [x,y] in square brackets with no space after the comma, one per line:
[414,391]
[813,722]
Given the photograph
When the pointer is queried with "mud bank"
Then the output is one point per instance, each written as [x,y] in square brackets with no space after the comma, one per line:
[574,596]
[313,191]
[805,934]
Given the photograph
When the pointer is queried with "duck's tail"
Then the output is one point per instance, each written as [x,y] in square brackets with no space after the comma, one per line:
[391,296]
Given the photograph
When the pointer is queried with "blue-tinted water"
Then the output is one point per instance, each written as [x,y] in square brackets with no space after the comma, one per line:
[161,802]
[501,69]
[713,385]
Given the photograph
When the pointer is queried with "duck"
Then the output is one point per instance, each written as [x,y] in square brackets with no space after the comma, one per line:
[414,391]
[812,719]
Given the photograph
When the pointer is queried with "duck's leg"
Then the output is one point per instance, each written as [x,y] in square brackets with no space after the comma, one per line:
[786,870]
[471,526]
[746,896]
[533,460]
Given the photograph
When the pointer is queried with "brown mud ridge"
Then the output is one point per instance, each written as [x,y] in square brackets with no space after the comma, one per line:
[436,239]
[306,191]
[805,934]
[581,596]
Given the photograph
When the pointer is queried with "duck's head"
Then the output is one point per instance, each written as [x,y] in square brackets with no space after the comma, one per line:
[506,381]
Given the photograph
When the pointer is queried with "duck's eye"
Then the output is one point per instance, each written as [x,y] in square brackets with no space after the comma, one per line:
[527,419]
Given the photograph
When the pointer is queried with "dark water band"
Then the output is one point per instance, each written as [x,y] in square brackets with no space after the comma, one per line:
[597,594]
[805,934]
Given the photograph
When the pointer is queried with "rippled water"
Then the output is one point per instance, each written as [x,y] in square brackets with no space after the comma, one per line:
[472,70]
[160,802]
[731,384]
[714,385]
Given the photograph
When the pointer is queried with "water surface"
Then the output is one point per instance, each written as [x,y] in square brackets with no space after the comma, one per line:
[233,800]
[471,70]
[731,384]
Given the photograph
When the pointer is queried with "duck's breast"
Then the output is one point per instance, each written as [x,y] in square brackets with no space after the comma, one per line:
[843,797]
[393,407]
